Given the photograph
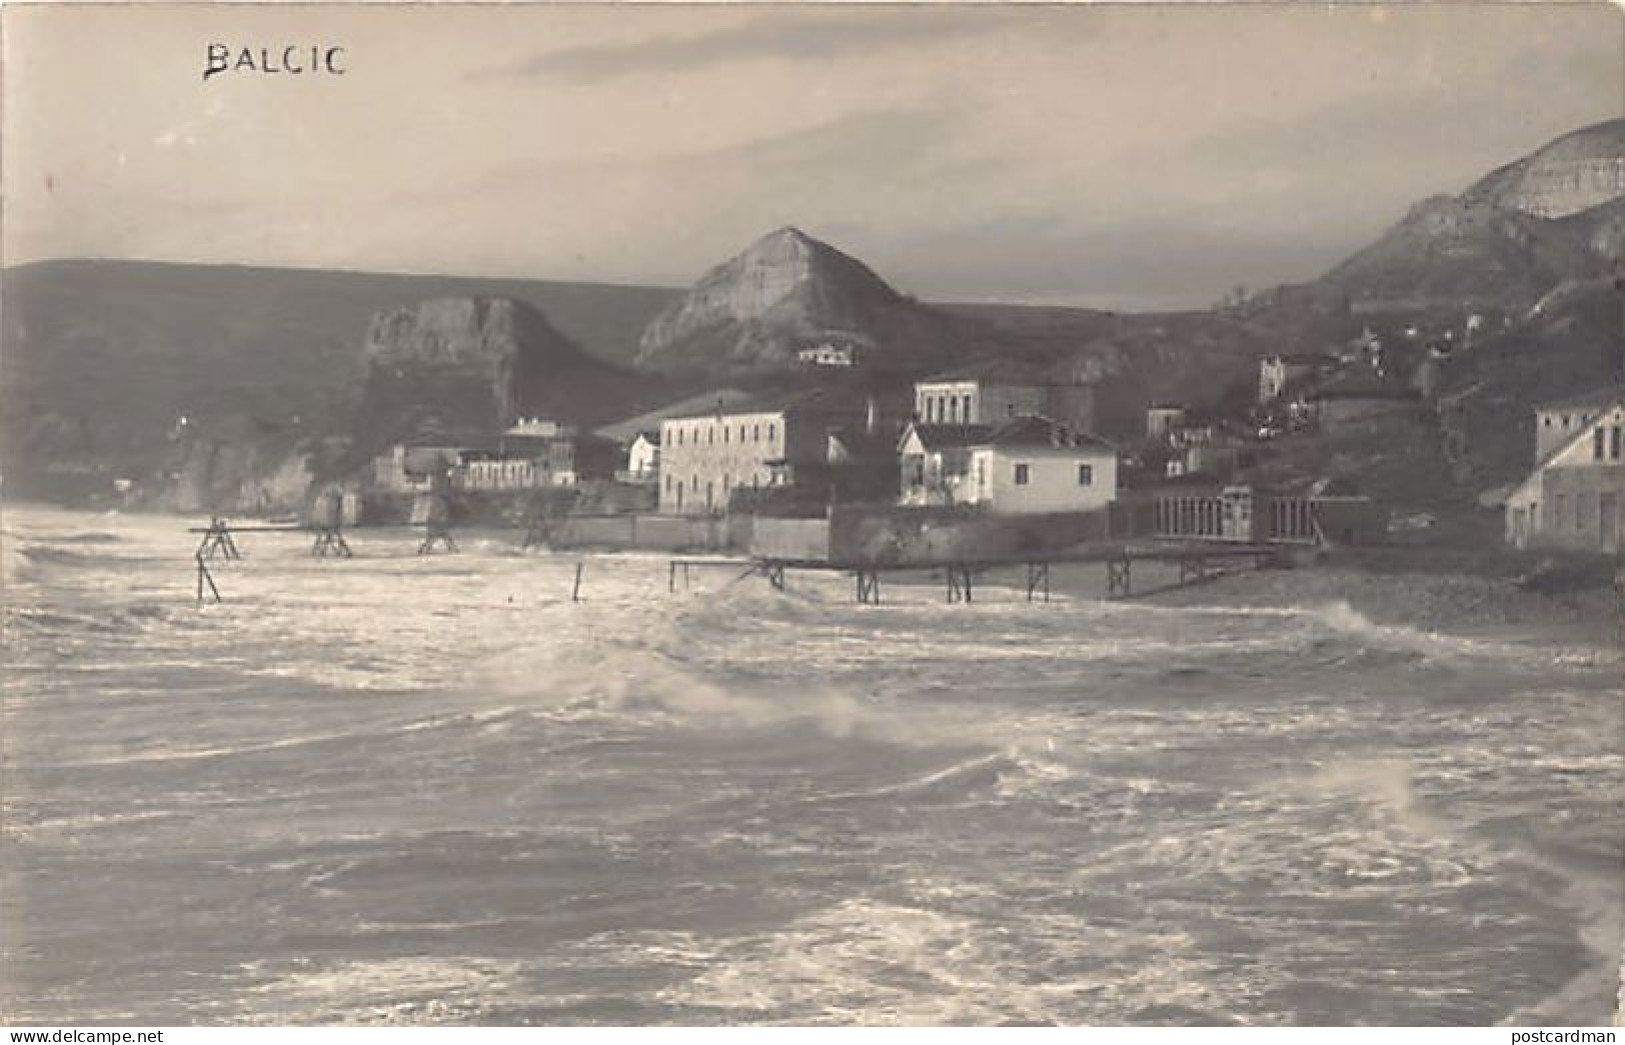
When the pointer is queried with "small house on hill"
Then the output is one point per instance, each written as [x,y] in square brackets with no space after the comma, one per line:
[1279,374]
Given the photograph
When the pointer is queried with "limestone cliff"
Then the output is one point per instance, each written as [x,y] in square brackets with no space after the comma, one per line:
[1576,172]
[476,364]
[1551,217]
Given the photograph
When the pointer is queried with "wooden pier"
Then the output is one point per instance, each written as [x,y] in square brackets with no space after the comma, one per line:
[1197,562]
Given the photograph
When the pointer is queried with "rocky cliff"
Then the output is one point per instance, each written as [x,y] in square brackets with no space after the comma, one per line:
[1576,172]
[781,293]
[474,364]
[1551,217]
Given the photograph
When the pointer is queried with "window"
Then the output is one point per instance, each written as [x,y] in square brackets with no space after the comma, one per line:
[725,430]
[770,433]
[1614,443]
[966,409]
[679,433]
[1596,443]
[1021,475]
[741,433]
[710,435]
[756,433]
[1086,475]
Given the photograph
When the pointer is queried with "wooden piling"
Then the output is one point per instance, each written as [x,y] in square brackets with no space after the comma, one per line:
[204,577]
[575,592]
[1037,574]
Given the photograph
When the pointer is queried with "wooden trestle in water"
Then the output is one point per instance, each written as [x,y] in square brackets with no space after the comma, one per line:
[1196,562]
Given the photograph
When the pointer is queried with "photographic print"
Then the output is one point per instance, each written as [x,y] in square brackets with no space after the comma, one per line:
[671,515]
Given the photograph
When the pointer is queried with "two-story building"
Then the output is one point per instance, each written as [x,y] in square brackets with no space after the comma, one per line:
[1572,498]
[984,393]
[1029,464]
[705,456]
[1558,420]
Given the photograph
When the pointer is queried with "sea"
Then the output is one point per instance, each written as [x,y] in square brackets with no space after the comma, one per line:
[441,790]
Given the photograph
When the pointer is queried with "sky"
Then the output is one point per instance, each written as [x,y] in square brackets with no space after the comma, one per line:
[1121,156]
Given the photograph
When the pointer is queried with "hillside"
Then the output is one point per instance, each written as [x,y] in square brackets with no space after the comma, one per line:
[102,359]
[1512,236]
[753,312]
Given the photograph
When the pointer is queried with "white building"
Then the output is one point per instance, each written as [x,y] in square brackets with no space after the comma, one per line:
[981,394]
[704,458]
[1279,374]
[1556,422]
[829,353]
[643,458]
[1572,498]
[1030,464]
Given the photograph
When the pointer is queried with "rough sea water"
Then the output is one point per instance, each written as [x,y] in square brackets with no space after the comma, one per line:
[403,790]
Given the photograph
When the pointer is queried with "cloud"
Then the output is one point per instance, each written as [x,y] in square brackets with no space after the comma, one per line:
[795,37]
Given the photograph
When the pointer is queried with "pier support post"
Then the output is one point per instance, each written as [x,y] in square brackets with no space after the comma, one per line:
[775,575]
[330,541]
[868,584]
[959,587]
[537,534]
[437,533]
[1037,575]
[575,592]
[217,540]
[1118,581]
[204,577]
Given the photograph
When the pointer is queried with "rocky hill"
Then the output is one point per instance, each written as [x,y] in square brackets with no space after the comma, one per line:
[787,290]
[1523,229]
[475,364]
[1571,174]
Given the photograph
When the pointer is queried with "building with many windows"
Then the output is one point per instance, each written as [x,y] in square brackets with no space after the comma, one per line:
[706,456]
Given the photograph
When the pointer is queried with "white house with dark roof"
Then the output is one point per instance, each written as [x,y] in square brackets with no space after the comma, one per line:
[1573,496]
[1026,465]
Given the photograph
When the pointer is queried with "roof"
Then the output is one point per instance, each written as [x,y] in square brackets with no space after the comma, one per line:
[1602,398]
[1043,432]
[993,371]
[1302,358]
[948,437]
[627,430]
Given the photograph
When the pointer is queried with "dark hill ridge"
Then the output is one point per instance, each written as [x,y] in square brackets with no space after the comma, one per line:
[102,358]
